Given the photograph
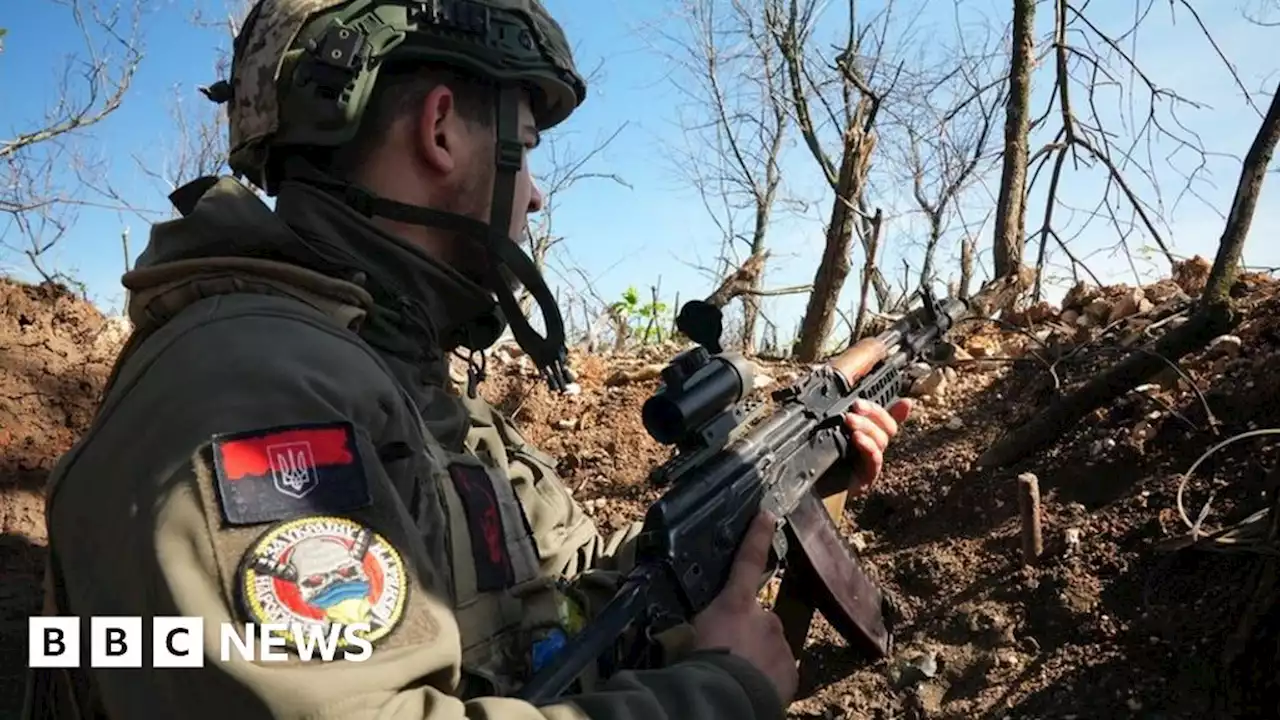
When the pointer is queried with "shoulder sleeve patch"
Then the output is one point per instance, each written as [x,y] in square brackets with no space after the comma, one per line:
[318,575]
[289,472]
[494,570]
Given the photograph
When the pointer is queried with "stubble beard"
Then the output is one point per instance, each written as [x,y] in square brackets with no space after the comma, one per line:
[468,256]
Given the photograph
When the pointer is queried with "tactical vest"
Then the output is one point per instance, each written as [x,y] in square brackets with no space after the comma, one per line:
[512,616]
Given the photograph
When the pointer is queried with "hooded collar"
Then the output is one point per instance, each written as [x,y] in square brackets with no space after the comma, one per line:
[421,301]
[417,309]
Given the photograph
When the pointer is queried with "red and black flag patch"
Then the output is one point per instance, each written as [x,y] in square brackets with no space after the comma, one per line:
[288,472]
[494,570]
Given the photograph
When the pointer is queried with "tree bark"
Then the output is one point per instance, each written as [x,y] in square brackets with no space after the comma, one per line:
[1011,202]
[834,268]
[968,248]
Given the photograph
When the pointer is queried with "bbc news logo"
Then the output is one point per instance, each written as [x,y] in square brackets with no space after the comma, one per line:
[179,642]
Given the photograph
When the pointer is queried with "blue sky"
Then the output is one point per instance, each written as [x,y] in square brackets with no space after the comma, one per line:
[657,226]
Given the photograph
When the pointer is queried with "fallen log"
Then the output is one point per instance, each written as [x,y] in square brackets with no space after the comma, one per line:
[1046,428]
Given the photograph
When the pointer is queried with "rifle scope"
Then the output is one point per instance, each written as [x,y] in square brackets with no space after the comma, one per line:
[697,388]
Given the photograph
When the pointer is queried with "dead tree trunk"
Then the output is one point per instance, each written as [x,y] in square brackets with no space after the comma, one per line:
[1213,316]
[832,271]
[968,248]
[751,299]
[1011,203]
[868,274]
[791,26]
[739,282]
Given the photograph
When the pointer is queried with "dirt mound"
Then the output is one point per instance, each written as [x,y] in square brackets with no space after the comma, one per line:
[1114,621]
[55,354]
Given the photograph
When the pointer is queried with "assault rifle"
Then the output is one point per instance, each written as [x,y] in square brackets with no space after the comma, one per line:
[726,470]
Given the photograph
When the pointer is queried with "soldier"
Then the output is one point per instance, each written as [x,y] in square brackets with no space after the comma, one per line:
[279,441]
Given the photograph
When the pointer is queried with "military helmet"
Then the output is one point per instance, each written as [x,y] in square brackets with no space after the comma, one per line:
[303,70]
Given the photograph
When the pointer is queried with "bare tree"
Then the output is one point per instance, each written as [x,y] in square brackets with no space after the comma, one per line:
[1262,12]
[198,146]
[733,76]
[946,125]
[845,88]
[1011,203]
[1213,315]
[565,168]
[44,165]
[1094,69]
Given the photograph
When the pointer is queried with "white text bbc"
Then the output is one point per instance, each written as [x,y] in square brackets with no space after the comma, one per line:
[178,642]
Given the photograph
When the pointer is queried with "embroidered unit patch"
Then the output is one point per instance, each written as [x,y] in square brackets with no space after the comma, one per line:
[289,472]
[321,572]
[494,570]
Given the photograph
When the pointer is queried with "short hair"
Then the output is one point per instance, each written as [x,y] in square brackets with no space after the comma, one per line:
[400,91]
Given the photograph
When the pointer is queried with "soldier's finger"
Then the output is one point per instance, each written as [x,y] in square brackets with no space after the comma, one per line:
[901,409]
[877,415]
[860,425]
[874,459]
[751,560]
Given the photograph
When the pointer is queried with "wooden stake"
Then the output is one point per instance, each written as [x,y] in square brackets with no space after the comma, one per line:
[1029,502]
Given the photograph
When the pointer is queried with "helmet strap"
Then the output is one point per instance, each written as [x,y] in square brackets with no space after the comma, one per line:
[504,254]
[547,352]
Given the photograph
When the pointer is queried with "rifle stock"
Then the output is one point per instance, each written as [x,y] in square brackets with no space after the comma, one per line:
[726,470]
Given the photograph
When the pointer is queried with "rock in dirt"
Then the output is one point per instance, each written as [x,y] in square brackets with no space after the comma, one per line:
[918,667]
[1129,304]
[640,374]
[760,381]
[1142,432]
[1224,346]
[115,331]
[1079,296]
[1192,275]
[916,371]
[1031,316]
[1072,539]
[984,346]
[1098,310]
[935,383]
[958,356]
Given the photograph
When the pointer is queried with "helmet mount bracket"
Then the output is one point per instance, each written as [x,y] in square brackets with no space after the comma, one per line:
[463,15]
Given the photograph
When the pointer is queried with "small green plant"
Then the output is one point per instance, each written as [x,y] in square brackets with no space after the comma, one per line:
[631,316]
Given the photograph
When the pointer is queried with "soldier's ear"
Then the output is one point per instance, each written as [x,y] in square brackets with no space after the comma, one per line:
[439,131]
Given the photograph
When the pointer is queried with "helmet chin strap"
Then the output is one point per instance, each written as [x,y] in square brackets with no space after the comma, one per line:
[548,352]
[505,258]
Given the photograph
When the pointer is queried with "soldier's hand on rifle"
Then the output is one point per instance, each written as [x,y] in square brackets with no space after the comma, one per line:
[736,621]
[872,427]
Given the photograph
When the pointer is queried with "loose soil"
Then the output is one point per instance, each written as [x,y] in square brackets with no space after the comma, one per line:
[1114,620]
[55,354]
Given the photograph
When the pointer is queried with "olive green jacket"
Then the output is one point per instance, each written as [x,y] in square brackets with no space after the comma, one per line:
[280,443]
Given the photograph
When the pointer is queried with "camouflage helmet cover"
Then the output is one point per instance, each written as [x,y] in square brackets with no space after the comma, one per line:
[303,70]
